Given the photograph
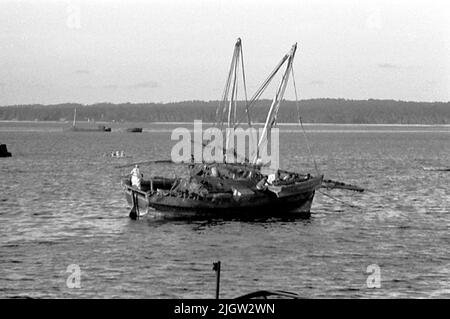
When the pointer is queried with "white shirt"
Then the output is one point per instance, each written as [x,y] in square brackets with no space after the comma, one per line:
[136,176]
[136,172]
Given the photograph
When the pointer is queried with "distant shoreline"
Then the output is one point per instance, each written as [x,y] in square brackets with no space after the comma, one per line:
[210,123]
[316,124]
[317,112]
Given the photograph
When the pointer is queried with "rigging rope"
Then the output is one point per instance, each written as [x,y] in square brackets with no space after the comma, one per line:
[263,86]
[245,89]
[271,119]
[301,123]
[221,109]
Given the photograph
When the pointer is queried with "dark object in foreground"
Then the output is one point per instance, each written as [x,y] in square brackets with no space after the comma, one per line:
[271,294]
[216,268]
[331,184]
[260,294]
[4,151]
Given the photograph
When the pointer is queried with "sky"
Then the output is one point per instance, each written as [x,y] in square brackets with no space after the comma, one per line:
[165,51]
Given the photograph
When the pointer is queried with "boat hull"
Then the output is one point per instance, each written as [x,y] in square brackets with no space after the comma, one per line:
[264,204]
[100,128]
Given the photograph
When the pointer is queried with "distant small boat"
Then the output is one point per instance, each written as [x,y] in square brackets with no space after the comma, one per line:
[437,169]
[75,128]
[134,130]
[99,128]
[4,151]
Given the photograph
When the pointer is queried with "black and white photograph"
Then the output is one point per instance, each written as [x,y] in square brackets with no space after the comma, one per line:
[198,151]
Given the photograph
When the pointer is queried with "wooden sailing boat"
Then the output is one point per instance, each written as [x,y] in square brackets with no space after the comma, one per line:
[75,128]
[231,189]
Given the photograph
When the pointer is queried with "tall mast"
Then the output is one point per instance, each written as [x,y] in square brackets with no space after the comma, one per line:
[227,110]
[275,106]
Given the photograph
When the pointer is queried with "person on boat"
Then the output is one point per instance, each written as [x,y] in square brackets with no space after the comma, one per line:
[214,172]
[271,178]
[192,163]
[262,184]
[136,177]
[274,177]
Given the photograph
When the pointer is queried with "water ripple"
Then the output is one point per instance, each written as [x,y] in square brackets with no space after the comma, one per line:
[61,204]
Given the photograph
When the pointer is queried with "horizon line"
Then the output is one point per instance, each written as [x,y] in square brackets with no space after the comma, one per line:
[209,101]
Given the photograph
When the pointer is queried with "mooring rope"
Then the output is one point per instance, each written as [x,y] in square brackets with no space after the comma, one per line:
[340,200]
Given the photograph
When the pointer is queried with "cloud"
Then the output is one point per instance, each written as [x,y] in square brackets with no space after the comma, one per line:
[144,85]
[25,85]
[374,21]
[141,85]
[36,86]
[81,72]
[110,86]
[316,82]
[389,66]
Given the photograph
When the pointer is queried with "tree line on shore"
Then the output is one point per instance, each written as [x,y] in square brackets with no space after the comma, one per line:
[311,111]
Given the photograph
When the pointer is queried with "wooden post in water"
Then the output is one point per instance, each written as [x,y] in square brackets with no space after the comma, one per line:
[216,268]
